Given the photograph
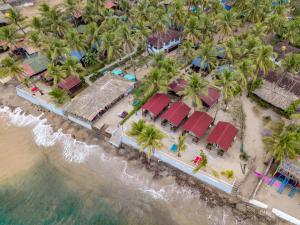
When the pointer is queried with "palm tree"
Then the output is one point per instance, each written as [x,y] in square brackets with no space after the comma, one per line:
[178,14]
[91,35]
[56,73]
[263,58]
[291,63]
[226,23]
[55,50]
[37,24]
[283,143]
[156,80]
[150,139]
[181,146]
[247,69]
[9,36]
[16,18]
[75,41]
[192,30]
[187,51]
[208,54]
[11,68]
[137,128]
[229,81]
[127,39]
[72,7]
[110,44]
[195,88]
[35,39]
[59,95]
[232,49]
[202,163]
[72,66]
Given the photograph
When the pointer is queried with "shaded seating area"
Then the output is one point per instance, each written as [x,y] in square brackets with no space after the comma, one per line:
[177,86]
[155,106]
[197,124]
[211,98]
[176,114]
[222,137]
[71,84]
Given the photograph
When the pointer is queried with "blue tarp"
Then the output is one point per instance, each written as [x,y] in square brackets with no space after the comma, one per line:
[197,62]
[222,68]
[77,54]
[117,72]
[220,53]
[174,148]
[130,77]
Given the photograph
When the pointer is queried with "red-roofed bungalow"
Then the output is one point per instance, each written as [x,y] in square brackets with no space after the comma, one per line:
[71,84]
[197,124]
[109,4]
[222,136]
[211,98]
[176,114]
[156,105]
[177,86]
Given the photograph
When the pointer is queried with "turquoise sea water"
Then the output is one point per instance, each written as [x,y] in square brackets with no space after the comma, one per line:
[47,177]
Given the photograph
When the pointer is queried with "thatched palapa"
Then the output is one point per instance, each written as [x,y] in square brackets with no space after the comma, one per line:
[98,98]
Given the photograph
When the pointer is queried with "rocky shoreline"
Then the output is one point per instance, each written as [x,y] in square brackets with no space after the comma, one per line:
[214,198]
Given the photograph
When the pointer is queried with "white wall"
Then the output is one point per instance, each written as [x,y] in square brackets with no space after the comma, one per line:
[80,122]
[166,47]
[201,175]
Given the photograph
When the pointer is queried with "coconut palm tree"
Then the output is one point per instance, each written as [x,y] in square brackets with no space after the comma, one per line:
[229,81]
[137,128]
[127,39]
[181,146]
[72,7]
[59,95]
[56,72]
[202,163]
[9,36]
[226,23]
[263,58]
[35,39]
[11,68]
[208,54]
[110,44]
[55,50]
[156,80]
[178,14]
[16,18]
[195,88]
[37,25]
[187,51]
[72,66]
[75,41]
[291,63]
[151,139]
[283,143]
[247,70]
[232,49]
[192,30]
[91,35]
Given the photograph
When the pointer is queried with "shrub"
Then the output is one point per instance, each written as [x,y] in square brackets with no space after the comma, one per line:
[254,84]
[229,174]
[292,109]
[215,173]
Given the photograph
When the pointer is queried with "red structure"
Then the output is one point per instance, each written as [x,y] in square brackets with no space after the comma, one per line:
[177,86]
[222,135]
[176,113]
[211,98]
[198,123]
[70,84]
[156,104]
[110,4]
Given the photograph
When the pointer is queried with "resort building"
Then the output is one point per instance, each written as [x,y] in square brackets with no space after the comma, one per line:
[222,137]
[97,99]
[35,66]
[177,86]
[197,124]
[175,115]
[71,84]
[156,105]
[279,90]
[211,98]
[164,42]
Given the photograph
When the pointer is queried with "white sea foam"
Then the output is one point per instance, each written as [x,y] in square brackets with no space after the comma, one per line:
[73,150]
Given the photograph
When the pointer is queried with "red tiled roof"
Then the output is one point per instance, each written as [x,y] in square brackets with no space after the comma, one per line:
[198,123]
[157,40]
[157,103]
[109,4]
[222,135]
[68,83]
[212,97]
[176,113]
[178,85]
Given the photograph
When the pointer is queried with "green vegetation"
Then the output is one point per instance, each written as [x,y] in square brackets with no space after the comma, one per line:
[59,95]
[181,146]
[148,136]
[229,174]
[202,163]
[9,66]
[215,173]
[292,109]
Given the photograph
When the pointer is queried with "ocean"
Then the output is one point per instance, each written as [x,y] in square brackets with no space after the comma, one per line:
[48,177]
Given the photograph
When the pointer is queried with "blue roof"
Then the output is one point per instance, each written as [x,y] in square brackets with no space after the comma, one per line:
[197,62]
[220,53]
[130,77]
[117,72]
[77,54]
[228,67]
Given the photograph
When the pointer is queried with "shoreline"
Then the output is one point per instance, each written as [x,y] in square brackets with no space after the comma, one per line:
[241,209]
